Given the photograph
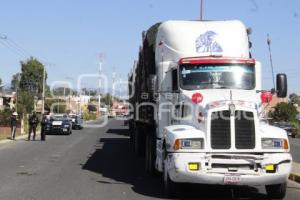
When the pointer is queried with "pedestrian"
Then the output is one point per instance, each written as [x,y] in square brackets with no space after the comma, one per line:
[44,123]
[33,122]
[13,124]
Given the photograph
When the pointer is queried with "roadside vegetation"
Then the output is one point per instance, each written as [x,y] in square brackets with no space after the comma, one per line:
[286,112]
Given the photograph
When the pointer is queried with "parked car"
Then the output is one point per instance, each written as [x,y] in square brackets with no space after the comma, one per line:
[288,127]
[76,122]
[61,124]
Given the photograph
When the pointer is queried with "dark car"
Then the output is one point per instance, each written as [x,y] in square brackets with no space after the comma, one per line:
[61,124]
[76,122]
[288,127]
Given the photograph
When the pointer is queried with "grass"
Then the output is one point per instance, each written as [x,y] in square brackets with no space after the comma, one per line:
[4,136]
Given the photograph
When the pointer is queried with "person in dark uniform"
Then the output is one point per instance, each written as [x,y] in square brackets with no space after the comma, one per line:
[44,123]
[13,125]
[33,122]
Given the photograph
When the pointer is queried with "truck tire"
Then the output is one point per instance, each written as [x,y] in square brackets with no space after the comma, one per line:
[276,191]
[170,187]
[150,154]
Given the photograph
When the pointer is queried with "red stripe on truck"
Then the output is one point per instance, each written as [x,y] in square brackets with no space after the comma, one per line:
[213,60]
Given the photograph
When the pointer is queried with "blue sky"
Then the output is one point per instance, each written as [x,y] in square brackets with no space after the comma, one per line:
[70,35]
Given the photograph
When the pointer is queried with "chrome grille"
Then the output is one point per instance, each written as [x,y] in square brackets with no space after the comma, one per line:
[244,130]
[220,130]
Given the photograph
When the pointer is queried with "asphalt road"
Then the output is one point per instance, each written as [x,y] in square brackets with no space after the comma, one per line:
[295,149]
[94,163]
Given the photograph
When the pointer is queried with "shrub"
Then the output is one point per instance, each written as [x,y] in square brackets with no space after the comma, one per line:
[89,116]
[284,112]
[5,117]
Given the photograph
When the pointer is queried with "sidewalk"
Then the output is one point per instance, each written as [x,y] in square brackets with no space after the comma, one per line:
[295,174]
[20,137]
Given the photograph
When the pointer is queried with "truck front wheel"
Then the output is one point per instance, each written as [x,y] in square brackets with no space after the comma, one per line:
[276,191]
[170,187]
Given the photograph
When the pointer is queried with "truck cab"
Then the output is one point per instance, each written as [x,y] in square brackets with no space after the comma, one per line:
[206,118]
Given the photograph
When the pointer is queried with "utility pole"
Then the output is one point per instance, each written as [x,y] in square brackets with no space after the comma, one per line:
[79,104]
[271,60]
[201,10]
[120,89]
[43,93]
[113,84]
[99,97]
[17,99]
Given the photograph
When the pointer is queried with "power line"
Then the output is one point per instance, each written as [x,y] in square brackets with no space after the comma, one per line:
[19,47]
[13,46]
[12,49]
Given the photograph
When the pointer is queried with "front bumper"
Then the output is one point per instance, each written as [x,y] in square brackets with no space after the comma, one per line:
[214,167]
[60,130]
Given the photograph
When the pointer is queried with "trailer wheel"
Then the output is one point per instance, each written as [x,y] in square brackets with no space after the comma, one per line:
[170,187]
[276,191]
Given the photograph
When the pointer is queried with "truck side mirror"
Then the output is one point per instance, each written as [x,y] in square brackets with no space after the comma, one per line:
[281,85]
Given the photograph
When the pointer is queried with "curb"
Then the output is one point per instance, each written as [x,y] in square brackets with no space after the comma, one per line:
[295,173]
[294,177]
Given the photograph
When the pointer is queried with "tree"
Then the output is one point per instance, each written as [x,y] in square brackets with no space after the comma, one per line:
[5,117]
[15,81]
[74,92]
[0,85]
[47,91]
[92,92]
[55,105]
[25,102]
[284,112]
[294,98]
[107,99]
[30,85]
[32,76]
[62,91]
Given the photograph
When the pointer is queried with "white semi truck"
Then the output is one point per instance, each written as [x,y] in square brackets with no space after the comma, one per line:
[197,112]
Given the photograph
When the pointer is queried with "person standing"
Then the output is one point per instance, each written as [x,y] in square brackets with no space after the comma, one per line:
[33,122]
[44,123]
[13,125]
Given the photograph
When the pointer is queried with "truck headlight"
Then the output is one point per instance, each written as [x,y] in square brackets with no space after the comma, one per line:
[197,143]
[274,143]
[66,126]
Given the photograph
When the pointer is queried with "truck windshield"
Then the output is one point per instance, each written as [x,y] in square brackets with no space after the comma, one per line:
[217,76]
